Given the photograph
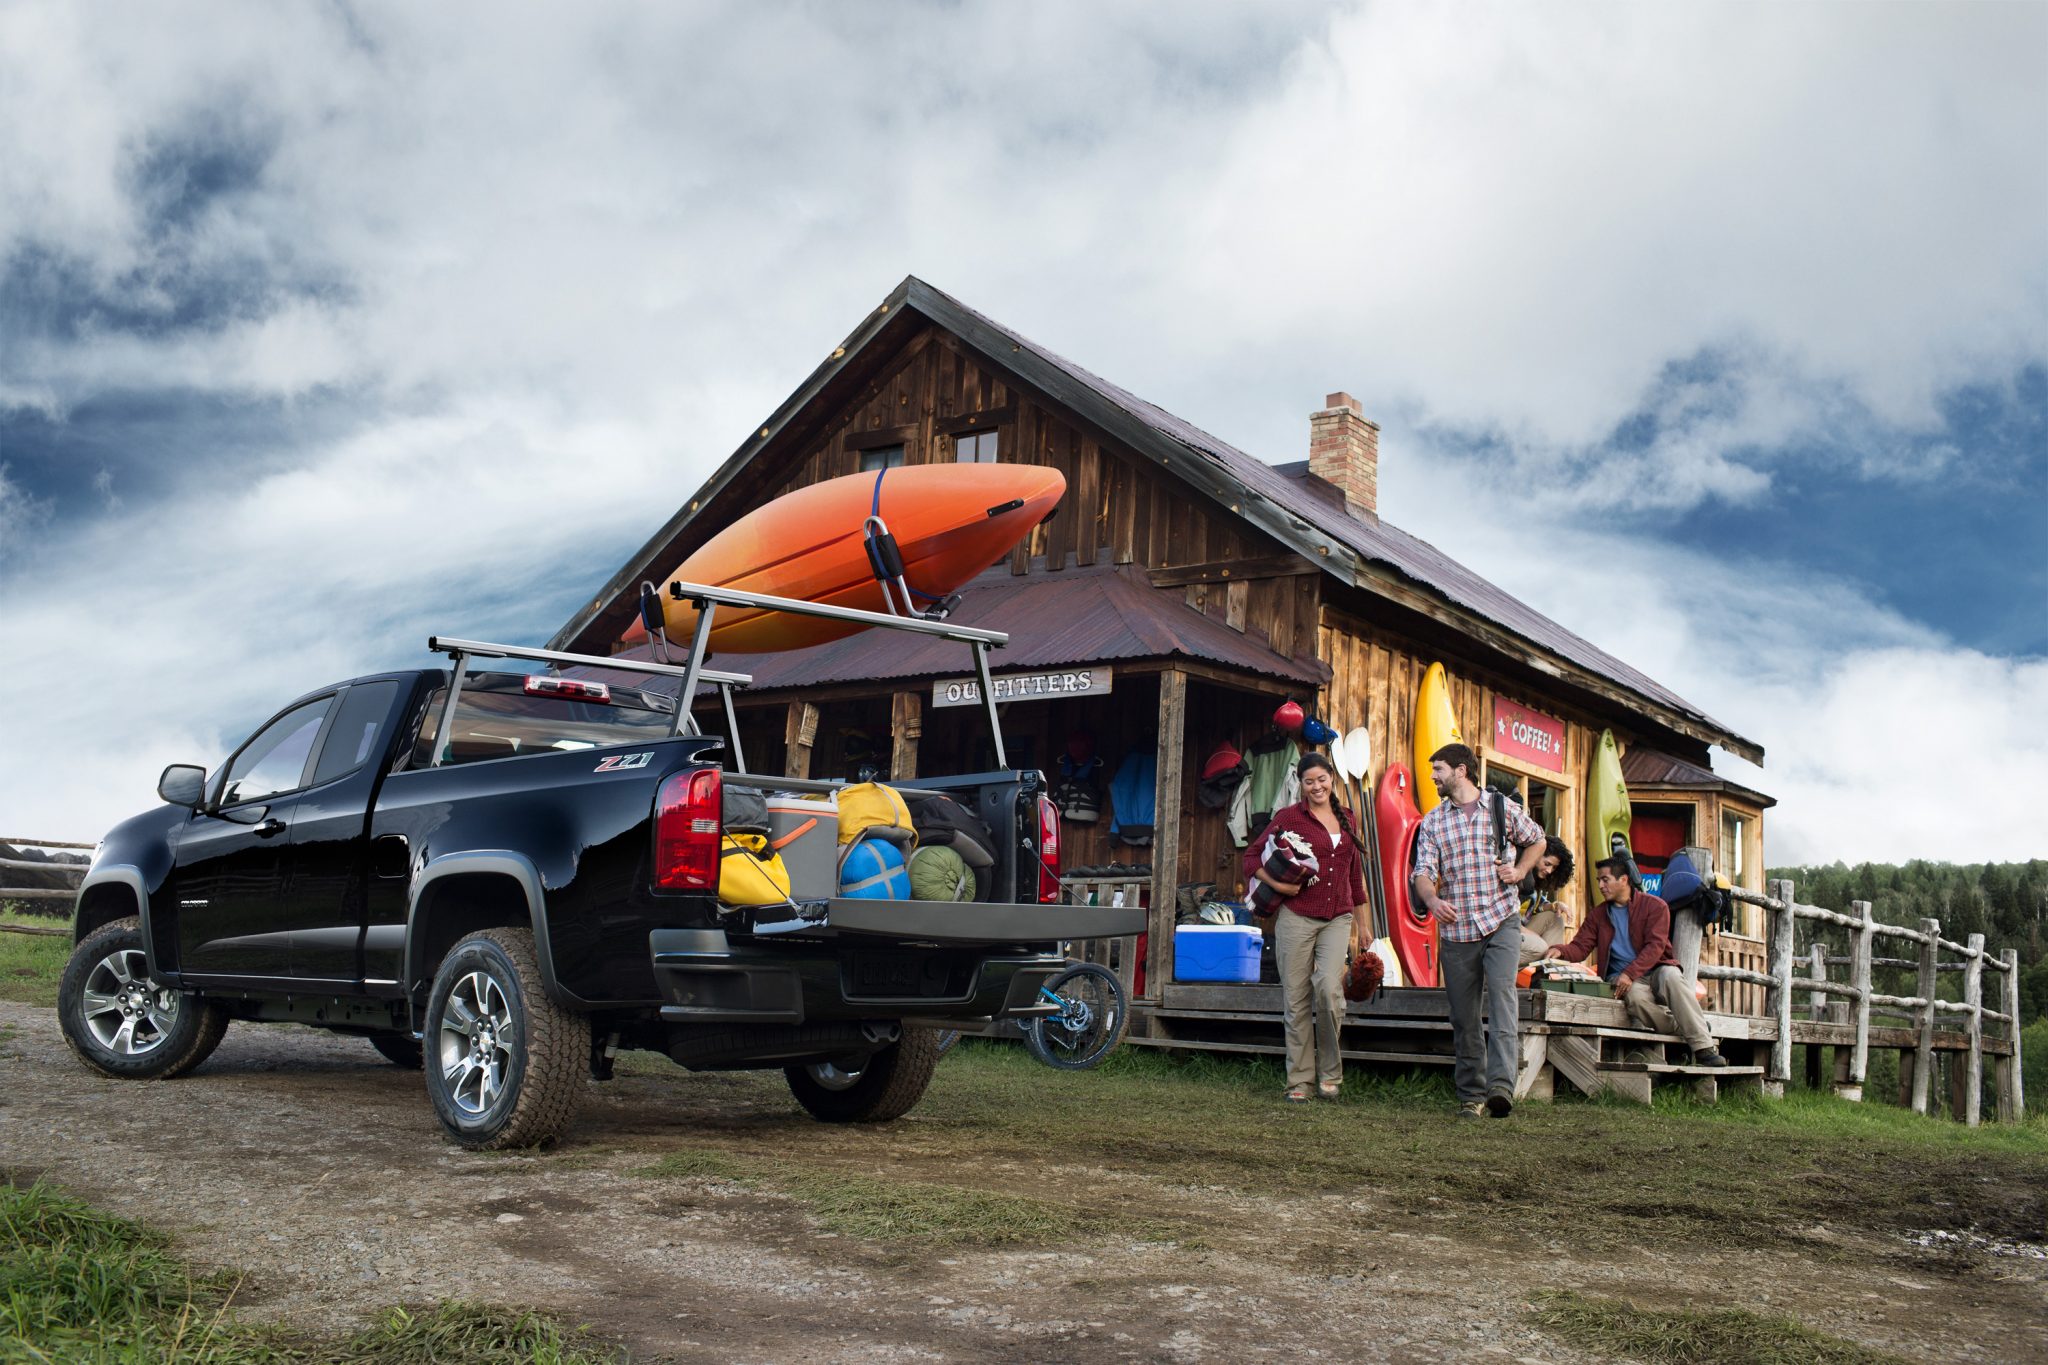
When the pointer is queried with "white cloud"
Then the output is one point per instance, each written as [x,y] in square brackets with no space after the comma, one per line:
[560,261]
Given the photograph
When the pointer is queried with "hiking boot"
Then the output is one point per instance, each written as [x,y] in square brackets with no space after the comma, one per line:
[1640,1056]
[1471,1109]
[1500,1104]
[1708,1056]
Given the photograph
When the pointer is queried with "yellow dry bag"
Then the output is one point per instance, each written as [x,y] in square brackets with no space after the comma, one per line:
[750,872]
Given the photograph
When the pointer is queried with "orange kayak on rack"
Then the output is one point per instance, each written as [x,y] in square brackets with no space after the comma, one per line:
[950,522]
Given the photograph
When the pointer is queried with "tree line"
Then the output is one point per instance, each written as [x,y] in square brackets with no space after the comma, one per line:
[2005,902]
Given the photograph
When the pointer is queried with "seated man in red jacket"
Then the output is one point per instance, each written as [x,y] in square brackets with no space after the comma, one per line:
[1630,932]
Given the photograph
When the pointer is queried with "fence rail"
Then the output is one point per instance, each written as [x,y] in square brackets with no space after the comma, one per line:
[1783,982]
[74,871]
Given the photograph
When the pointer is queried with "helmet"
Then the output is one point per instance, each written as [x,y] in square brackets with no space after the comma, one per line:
[1289,717]
[1220,762]
[1315,732]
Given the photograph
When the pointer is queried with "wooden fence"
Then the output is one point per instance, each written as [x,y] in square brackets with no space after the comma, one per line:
[1782,983]
[63,895]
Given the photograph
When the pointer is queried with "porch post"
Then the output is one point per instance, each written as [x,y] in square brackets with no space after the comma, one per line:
[1166,819]
[906,727]
[799,733]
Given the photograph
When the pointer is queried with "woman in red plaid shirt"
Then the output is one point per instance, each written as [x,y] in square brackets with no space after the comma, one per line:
[1316,925]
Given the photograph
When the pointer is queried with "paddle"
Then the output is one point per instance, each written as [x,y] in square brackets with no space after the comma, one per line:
[1354,759]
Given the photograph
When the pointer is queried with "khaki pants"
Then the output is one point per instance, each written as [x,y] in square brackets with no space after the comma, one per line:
[1664,1003]
[1311,954]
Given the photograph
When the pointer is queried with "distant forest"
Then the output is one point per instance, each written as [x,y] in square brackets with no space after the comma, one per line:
[2005,902]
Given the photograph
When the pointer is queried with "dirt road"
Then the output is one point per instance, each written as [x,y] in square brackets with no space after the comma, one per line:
[304,1160]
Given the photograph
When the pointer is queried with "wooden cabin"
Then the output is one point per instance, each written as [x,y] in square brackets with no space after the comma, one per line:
[1181,592]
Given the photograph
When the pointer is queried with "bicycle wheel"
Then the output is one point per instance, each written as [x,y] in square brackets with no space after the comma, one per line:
[1092,1018]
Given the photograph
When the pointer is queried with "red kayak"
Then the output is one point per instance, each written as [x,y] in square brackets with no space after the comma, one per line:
[950,521]
[1398,819]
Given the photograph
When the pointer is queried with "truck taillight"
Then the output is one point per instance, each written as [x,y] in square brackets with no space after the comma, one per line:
[571,689]
[1048,852]
[686,832]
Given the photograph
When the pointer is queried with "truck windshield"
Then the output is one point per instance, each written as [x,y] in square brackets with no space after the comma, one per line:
[495,718]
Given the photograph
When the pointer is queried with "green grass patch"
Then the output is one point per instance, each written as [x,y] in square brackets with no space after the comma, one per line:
[30,964]
[1718,1336]
[882,1210]
[474,1333]
[874,1207]
[700,1164]
[80,1285]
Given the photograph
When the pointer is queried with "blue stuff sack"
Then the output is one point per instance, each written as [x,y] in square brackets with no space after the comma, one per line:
[873,869]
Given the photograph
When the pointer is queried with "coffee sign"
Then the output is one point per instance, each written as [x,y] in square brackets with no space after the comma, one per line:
[1528,735]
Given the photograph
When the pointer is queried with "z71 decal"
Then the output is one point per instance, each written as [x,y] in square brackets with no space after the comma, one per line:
[618,763]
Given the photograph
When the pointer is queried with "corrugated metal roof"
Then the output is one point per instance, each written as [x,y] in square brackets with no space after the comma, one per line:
[1301,497]
[1642,767]
[1054,620]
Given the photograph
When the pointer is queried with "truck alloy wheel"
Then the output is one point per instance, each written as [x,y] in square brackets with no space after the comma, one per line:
[505,1065]
[122,1023]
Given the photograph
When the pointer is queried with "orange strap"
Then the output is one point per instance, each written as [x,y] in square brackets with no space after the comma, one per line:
[786,840]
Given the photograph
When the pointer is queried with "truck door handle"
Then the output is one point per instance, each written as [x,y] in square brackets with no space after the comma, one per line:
[269,827]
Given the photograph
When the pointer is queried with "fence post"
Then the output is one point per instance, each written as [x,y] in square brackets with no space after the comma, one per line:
[1783,925]
[1973,996]
[1816,1010]
[1923,1053]
[1859,977]
[2012,1099]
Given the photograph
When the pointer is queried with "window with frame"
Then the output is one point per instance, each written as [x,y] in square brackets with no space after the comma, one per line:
[1732,860]
[975,447]
[881,457]
[1544,802]
[275,761]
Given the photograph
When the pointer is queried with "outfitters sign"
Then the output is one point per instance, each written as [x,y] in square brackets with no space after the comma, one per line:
[1527,735]
[1065,682]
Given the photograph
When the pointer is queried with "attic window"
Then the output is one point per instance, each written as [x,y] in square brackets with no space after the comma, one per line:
[881,457]
[975,447]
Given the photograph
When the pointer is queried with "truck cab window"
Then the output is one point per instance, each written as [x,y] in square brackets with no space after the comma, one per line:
[356,727]
[275,761]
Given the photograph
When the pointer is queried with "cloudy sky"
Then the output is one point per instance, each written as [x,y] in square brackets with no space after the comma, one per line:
[1718,333]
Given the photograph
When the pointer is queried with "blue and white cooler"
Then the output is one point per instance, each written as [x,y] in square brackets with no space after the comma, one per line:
[1215,952]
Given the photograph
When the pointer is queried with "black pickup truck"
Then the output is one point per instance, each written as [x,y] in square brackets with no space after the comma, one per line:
[513,882]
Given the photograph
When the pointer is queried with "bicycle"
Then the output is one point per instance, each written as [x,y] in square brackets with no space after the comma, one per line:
[1093,1014]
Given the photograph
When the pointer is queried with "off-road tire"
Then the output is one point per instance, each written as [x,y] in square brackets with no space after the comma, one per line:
[189,1031]
[400,1049]
[888,1086]
[1110,1009]
[541,1049]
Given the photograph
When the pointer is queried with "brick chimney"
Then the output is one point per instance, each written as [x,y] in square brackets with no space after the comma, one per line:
[1344,448]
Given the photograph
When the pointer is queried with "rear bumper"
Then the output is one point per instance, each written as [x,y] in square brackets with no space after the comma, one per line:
[706,977]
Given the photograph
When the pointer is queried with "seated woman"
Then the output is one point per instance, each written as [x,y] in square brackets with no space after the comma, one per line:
[1542,925]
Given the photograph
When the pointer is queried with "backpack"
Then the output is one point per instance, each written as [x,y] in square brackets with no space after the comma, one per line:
[869,809]
[743,810]
[944,822]
[1684,889]
[1078,793]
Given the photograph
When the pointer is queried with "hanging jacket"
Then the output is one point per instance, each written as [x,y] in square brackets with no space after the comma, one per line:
[1132,795]
[1274,783]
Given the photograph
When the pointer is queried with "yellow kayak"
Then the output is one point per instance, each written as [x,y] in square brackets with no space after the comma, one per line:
[1436,725]
[1606,803]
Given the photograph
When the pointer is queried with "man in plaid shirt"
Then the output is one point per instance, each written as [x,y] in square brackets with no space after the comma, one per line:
[1463,877]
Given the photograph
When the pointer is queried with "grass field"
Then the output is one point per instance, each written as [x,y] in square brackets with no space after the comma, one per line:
[1006,1153]
[79,1285]
[31,963]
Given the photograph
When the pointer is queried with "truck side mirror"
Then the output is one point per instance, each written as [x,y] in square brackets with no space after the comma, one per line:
[183,785]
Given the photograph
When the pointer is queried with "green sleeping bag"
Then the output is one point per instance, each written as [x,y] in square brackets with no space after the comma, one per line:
[937,873]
